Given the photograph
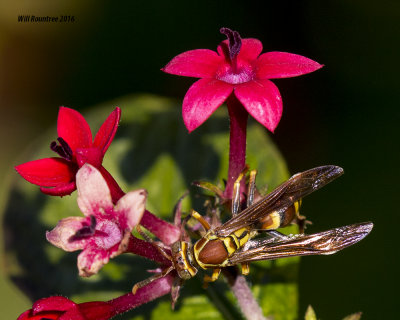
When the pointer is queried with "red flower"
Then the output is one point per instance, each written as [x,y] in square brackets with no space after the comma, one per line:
[238,67]
[56,175]
[61,308]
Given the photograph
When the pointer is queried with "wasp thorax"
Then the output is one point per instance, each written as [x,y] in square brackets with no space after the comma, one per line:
[183,260]
[214,252]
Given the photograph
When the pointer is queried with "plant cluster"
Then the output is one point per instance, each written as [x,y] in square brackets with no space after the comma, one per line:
[114,222]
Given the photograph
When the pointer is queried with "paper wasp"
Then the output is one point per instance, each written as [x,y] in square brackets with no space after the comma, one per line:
[231,243]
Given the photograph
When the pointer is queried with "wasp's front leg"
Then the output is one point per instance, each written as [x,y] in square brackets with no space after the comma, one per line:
[151,279]
[200,219]
[154,243]
[215,275]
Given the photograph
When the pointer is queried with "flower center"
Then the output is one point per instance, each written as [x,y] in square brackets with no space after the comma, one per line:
[62,149]
[235,42]
[85,231]
[109,234]
[242,74]
[236,71]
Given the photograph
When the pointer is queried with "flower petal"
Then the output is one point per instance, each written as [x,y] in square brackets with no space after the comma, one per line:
[107,131]
[73,128]
[94,197]
[97,310]
[131,208]
[52,308]
[74,314]
[48,172]
[91,260]
[56,303]
[202,99]
[200,63]
[272,65]
[262,100]
[61,308]
[25,315]
[61,190]
[62,235]
[250,50]
[93,156]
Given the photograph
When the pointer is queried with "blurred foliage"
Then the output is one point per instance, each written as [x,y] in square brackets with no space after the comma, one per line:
[152,150]
[354,316]
[310,315]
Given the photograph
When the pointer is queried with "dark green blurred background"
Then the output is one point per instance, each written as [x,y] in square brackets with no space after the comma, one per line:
[345,114]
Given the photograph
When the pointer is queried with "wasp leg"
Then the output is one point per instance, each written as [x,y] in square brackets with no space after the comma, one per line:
[178,209]
[175,290]
[151,279]
[252,188]
[302,223]
[215,275]
[236,192]
[182,226]
[155,244]
[301,220]
[245,268]
[200,219]
[209,186]
[273,234]
[278,235]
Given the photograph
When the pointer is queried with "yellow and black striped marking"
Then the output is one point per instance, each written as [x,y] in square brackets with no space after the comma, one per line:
[279,219]
[183,260]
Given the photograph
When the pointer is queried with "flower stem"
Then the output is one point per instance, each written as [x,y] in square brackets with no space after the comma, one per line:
[237,143]
[152,291]
[245,298]
[164,231]
[115,189]
[146,250]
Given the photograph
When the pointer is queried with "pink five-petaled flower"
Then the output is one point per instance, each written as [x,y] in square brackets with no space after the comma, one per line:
[61,308]
[236,67]
[105,230]
[56,175]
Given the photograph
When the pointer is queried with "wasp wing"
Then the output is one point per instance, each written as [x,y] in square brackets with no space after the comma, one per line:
[292,190]
[323,243]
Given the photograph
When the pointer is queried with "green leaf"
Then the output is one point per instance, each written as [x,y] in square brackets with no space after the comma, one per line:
[152,150]
[310,314]
[354,316]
